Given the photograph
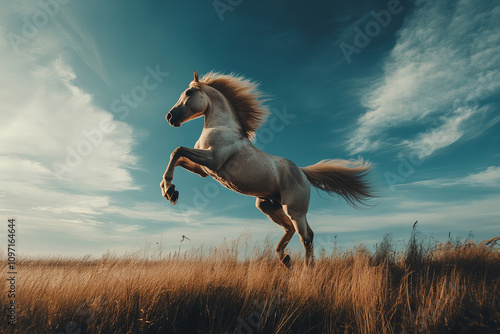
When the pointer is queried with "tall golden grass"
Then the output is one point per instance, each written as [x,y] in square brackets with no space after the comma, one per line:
[451,287]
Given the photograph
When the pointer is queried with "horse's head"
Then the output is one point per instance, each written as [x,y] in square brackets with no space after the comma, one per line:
[192,104]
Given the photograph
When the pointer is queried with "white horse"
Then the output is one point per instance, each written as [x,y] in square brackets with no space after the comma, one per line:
[233,111]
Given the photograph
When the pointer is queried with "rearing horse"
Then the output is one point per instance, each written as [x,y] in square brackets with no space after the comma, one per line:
[233,111]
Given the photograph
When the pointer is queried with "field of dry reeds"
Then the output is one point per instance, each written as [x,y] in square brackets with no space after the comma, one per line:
[452,287]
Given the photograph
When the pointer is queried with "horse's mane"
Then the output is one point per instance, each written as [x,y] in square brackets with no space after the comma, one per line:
[244,96]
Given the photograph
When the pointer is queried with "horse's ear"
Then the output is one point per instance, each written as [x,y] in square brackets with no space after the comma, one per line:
[196,76]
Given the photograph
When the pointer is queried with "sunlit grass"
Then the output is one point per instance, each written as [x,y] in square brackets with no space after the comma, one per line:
[447,288]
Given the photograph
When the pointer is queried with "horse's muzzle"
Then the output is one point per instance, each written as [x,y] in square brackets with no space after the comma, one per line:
[173,117]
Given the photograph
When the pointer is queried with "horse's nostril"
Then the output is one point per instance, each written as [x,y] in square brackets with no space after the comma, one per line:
[169,117]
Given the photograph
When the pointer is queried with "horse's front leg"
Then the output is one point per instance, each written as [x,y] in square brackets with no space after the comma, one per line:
[200,157]
[168,189]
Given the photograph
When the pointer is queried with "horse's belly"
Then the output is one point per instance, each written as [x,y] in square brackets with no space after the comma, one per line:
[249,182]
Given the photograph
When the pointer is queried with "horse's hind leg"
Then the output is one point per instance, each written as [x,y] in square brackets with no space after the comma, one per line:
[296,207]
[306,234]
[275,212]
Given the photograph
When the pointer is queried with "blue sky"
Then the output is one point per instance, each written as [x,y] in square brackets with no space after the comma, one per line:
[412,86]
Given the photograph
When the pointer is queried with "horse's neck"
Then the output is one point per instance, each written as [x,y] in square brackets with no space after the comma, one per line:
[219,112]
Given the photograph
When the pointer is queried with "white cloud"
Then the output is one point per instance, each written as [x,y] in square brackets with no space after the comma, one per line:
[438,75]
[451,129]
[437,216]
[489,178]
[56,127]
[46,118]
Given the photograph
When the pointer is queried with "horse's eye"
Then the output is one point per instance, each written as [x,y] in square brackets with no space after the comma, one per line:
[188,92]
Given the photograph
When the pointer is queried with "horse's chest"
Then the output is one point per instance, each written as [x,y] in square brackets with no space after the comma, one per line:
[215,138]
[202,145]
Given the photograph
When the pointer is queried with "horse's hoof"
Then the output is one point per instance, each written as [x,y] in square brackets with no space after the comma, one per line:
[171,194]
[286,260]
[174,197]
[170,191]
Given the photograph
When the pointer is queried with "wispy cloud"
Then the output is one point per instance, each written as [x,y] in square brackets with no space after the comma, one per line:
[437,78]
[438,215]
[489,178]
[33,27]
[79,41]
[451,129]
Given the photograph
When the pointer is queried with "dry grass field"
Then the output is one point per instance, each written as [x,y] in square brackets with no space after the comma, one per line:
[452,287]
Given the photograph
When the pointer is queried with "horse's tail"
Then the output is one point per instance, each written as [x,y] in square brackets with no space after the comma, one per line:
[343,177]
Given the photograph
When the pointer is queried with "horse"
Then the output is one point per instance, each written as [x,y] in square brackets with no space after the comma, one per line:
[233,109]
